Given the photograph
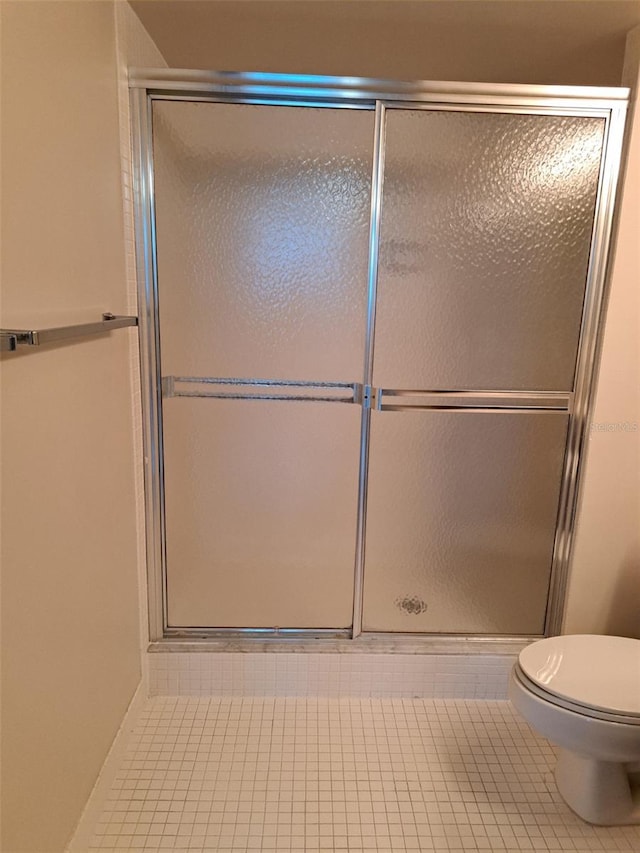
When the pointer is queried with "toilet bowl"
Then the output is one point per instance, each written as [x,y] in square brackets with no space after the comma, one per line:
[582,692]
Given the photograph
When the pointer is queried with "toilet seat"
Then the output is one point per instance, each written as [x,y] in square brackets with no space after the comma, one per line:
[596,676]
[577,708]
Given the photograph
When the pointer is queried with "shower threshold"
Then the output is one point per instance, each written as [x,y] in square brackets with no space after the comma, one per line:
[364,643]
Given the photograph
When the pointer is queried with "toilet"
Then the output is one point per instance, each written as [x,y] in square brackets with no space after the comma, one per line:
[582,692]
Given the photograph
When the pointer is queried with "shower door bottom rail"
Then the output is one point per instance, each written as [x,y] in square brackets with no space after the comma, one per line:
[235,635]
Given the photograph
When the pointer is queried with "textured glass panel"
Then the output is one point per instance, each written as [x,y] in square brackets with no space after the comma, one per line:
[261,502]
[485,236]
[461,519]
[262,221]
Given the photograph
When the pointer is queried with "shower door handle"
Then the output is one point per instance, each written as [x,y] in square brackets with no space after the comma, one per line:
[399,400]
[288,390]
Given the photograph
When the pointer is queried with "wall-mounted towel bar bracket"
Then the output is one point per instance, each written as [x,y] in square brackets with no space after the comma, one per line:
[11,339]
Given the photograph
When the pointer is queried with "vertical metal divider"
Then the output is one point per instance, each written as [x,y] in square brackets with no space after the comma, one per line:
[145,241]
[598,273]
[377,180]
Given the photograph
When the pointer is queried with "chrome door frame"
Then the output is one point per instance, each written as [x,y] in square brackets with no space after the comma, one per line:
[147,85]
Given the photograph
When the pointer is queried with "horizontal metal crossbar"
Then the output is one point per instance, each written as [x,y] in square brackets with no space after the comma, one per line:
[261,389]
[392,400]
[381,399]
[310,88]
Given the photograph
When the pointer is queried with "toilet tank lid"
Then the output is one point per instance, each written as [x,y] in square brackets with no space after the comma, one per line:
[592,670]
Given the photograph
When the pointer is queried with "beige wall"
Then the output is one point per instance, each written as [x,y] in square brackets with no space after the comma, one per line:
[508,41]
[604,590]
[70,631]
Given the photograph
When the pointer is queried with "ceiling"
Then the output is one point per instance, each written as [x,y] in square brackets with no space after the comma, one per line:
[511,41]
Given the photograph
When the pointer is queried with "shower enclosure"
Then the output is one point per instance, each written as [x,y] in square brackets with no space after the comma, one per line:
[369,321]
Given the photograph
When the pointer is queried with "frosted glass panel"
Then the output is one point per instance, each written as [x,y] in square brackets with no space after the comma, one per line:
[261,502]
[485,235]
[262,220]
[461,519]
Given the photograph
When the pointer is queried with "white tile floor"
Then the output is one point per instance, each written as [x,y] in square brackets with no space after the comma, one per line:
[300,774]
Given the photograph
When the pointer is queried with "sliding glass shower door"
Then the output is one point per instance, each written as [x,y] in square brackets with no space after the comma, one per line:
[371,330]
[262,218]
[485,236]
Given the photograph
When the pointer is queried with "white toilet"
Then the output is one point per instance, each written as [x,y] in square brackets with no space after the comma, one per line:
[582,692]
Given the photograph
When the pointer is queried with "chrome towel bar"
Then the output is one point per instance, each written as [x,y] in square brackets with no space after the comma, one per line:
[11,339]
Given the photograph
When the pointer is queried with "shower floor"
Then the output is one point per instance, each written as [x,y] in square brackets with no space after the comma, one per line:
[300,774]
